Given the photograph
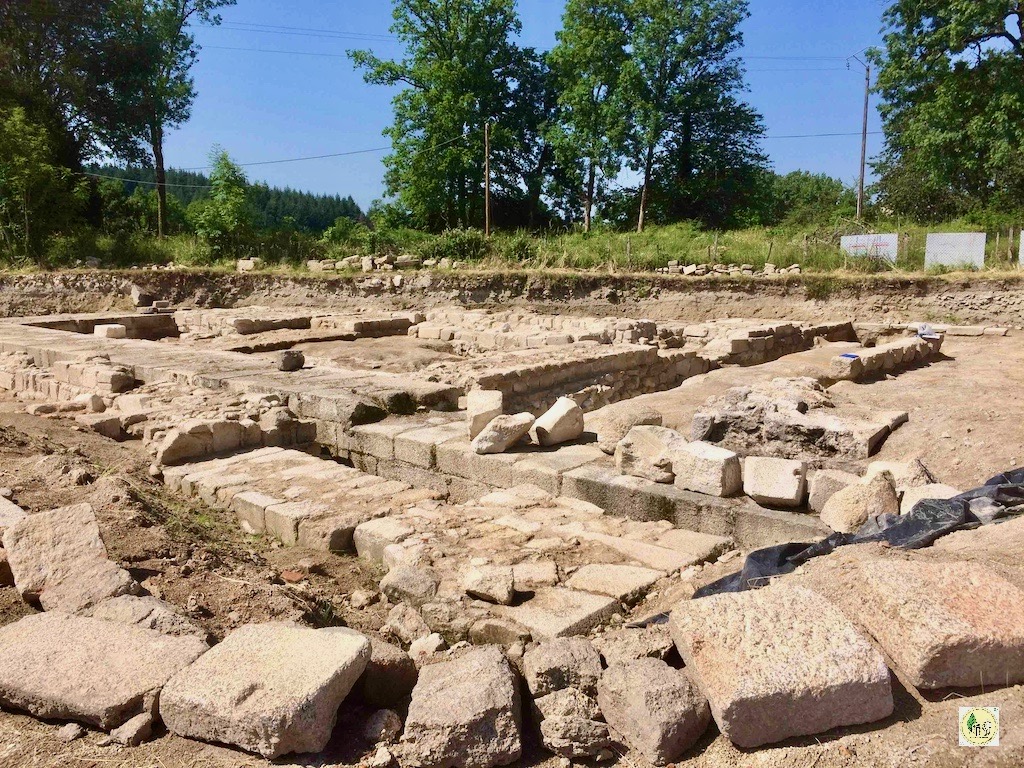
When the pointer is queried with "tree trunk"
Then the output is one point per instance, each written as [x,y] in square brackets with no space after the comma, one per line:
[648,167]
[157,141]
[588,203]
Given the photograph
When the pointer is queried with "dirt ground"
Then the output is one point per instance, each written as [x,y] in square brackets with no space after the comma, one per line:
[964,423]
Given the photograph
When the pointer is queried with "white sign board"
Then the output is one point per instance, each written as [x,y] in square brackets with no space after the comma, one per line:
[955,250]
[886,247]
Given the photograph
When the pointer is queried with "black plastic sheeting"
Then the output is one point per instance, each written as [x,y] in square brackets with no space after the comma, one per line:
[929,520]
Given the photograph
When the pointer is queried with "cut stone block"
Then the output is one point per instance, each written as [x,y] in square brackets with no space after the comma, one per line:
[613,423]
[63,667]
[944,625]
[630,643]
[568,662]
[931,491]
[656,708]
[272,689]
[482,407]
[775,482]
[374,536]
[626,583]
[10,513]
[561,612]
[644,452]
[407,584]
[502,433]
[827,482]
[147,613]
[493,583]
[465,713]
[251,509]
[854,505]
[59,560]
[390,675]
[111,331]
[780,662]
[708,469]
[562,423]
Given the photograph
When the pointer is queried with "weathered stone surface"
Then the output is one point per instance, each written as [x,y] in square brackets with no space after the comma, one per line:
[146,612]
[643,452]
[780,662]
[574,737]
[854,505]
[404,583]
[110,331]
[613,424]
[944,625]
[374,536]
[493,583]
[59,560]
[63,667]
[825,483]
[656,708]
[775,482]
[273,689]
[390,674]
[626,583]
[569,662]
[708,469]
[482,407]
[931,491]
[10,513]
[905,474]
[502,433]
[628,644]
[135,731]
[465,713]
[405,623]
[493,630]
[422,648]
[562,423]
[561,612]
[530,576]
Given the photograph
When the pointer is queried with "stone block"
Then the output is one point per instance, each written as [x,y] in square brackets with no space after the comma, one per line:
[58,666]
[708,469]
[561,612]
[374,536]
[491,583]
[561,423]
[482,407]
[502,433]
[555,665]
[780,662]
[775,482]
[657,709]
[626,583]
[943,624]
[390,675]
[825,483]
[854,505]
[614,422]
[58,559]
[272,689]
[408,584]
[111,331]
[465,713]
[645,452]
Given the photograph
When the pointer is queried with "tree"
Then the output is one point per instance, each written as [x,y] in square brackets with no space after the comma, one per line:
[224,217]
[952,83]
[587,63]
[460,71]
[37,197]
[682,67]
[158,85]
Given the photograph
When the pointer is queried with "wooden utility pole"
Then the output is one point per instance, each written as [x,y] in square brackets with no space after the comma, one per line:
[487,179]
[864,138]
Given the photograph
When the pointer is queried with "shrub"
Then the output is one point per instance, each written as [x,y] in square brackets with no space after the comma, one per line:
[458,245]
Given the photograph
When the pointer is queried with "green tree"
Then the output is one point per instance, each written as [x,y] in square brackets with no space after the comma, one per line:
[154,72]
[37,196]
[587,62]
[952,85]
[801,198]
[460,71]
[224,218]
[682,66]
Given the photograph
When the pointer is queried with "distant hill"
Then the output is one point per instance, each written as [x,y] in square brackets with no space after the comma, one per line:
[272,206]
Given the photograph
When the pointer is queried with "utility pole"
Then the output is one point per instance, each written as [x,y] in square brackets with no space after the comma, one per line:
[864,136]
[487,179]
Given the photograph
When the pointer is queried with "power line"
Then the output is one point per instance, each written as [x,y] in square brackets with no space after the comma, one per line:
[274,50]
[142,181]
[822,135]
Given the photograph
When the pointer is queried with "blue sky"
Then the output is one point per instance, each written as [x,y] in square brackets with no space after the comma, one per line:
[276,99]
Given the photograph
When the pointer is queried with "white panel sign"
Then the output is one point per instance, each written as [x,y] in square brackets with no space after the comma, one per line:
[886,247]
[956,250]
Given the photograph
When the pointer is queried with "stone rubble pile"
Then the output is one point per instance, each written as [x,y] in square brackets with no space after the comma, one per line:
[675,267]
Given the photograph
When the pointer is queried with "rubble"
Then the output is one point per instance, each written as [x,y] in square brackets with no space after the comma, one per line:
[482,407]
[570,662]
[502,432]
[848,509]
[615,425]
[775,482]
[562,423]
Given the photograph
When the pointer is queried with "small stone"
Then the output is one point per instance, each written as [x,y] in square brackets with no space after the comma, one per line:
[643,453]
[708,469]
[502,433]
[135,731]
[390,674]
[415,586]
[290,360]
[826,483]
[493,584]
[70,732]
[363,598]
[383,727]
[405,623]
[628,644]
[854,505]
[382,758]
[492,630]
[424,647]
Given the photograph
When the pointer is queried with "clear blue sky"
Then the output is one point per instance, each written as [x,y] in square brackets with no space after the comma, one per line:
[261,105]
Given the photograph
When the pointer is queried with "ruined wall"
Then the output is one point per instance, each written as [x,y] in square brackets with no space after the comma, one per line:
[962,300]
